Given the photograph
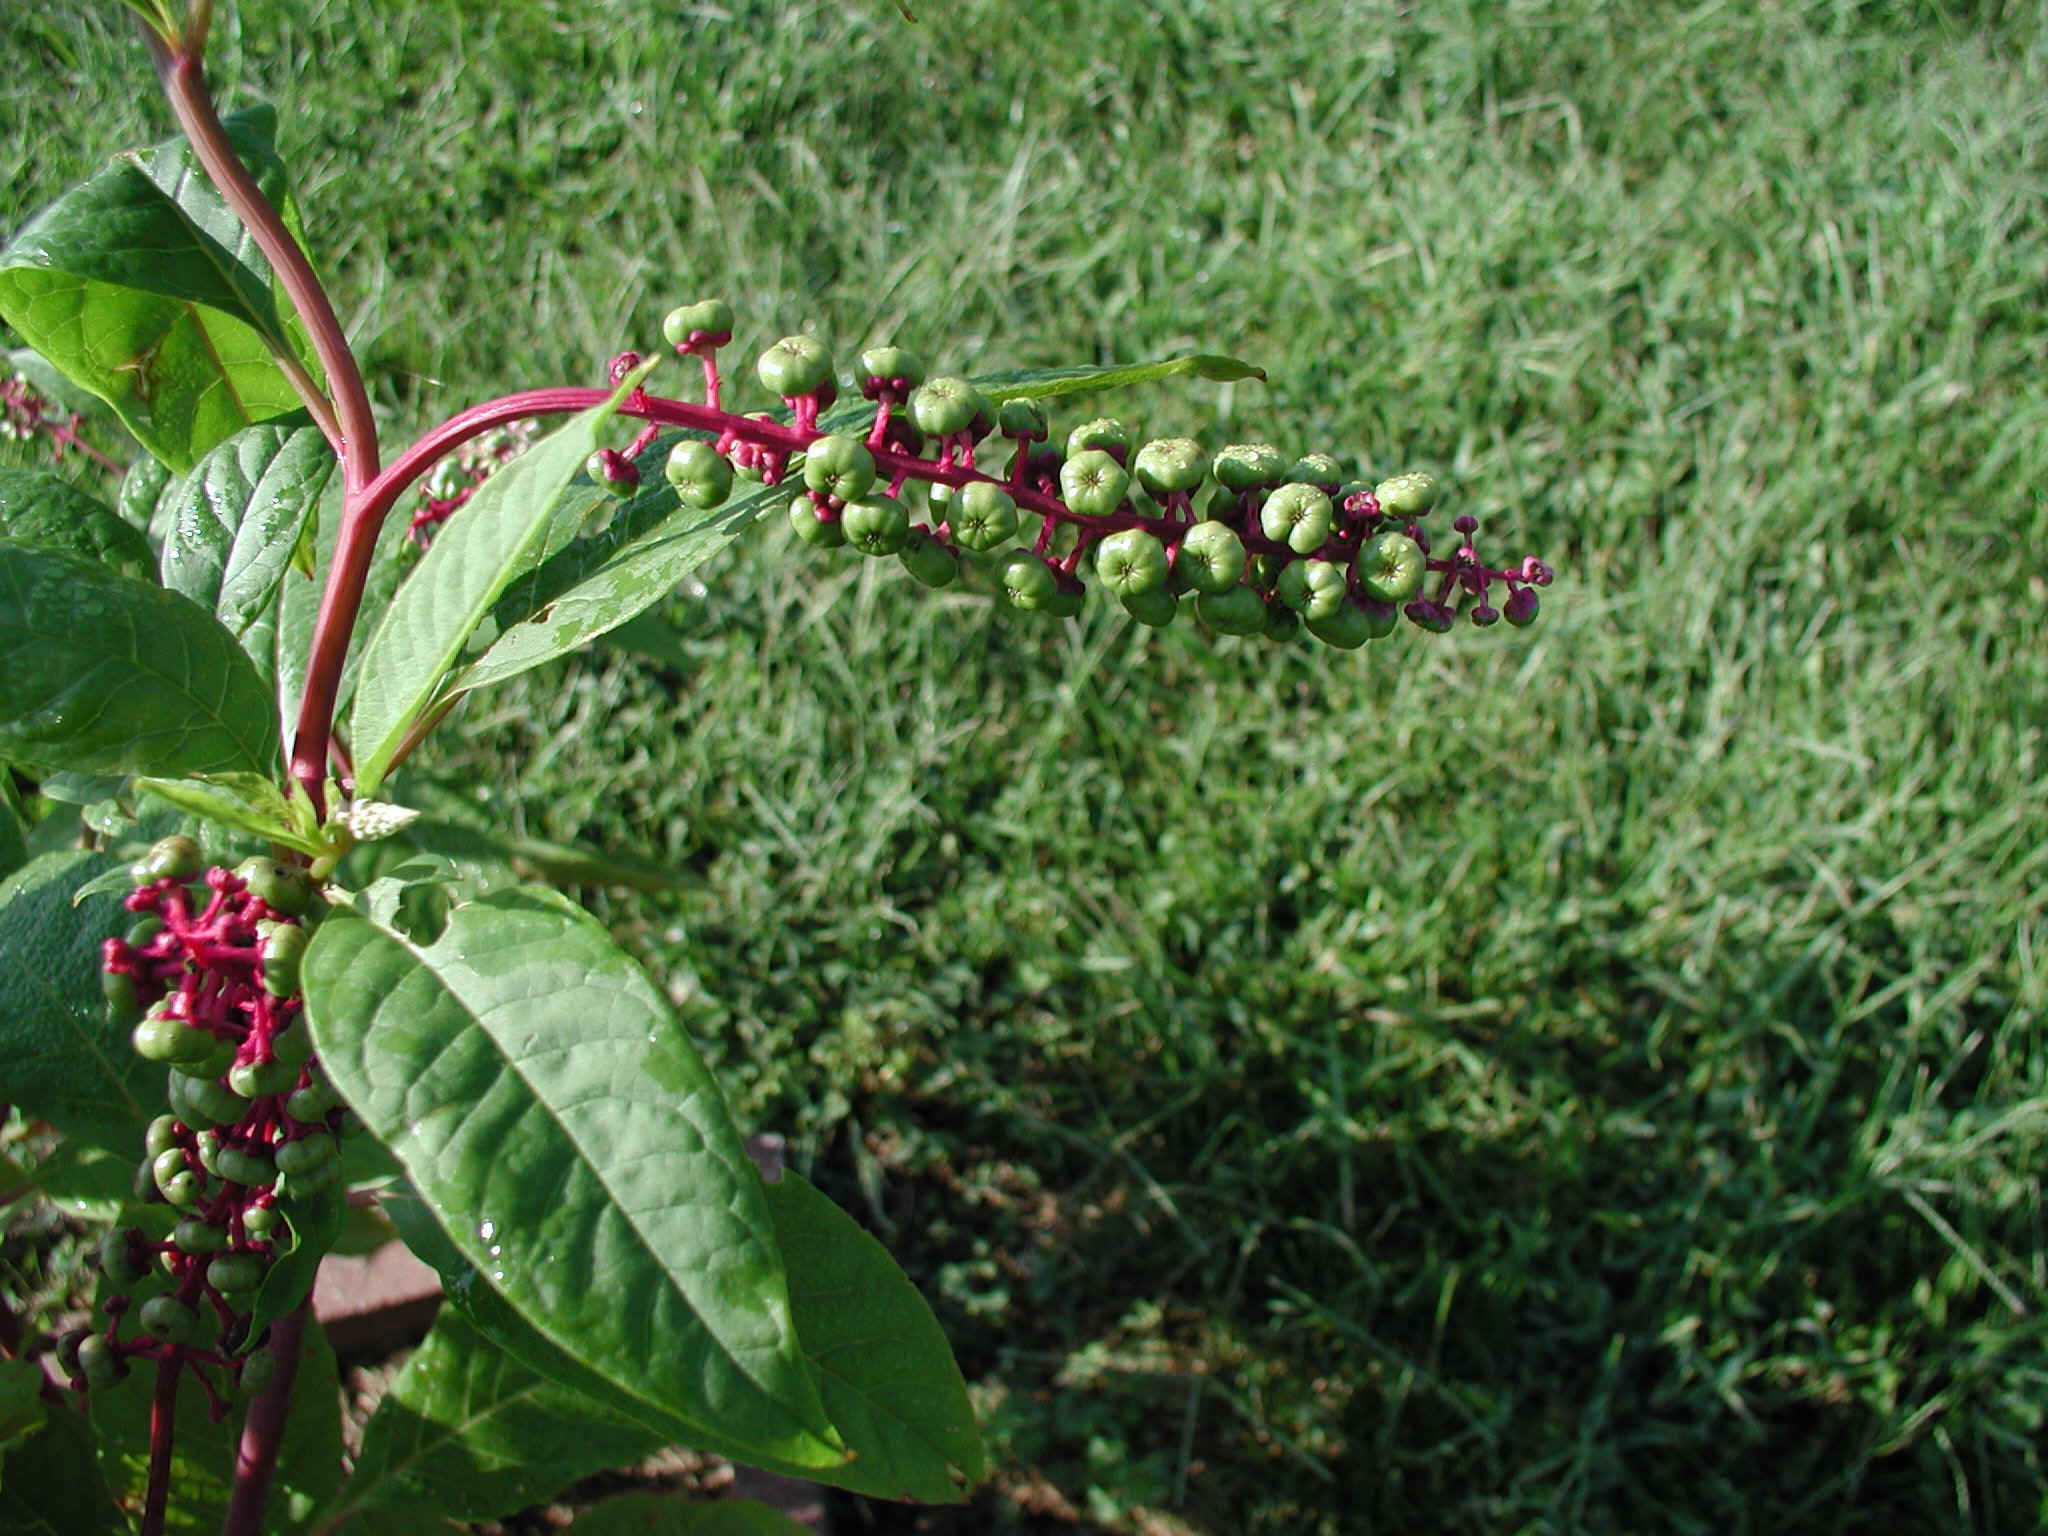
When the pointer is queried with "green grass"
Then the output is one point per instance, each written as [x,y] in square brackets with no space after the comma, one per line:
[1583,1080]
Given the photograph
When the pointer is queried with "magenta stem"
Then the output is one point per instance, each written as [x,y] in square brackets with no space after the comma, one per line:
[263,1429]
[163,1410]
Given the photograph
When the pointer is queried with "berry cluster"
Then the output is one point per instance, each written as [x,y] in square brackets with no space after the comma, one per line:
[209,977]
[1253,541]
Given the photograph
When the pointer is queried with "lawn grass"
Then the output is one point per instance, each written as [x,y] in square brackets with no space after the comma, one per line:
[1584,1079]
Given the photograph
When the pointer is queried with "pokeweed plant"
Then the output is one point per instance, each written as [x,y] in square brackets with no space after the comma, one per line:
[301,1014]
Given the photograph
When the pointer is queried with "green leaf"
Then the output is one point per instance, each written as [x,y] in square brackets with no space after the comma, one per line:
[203,1449]
[895,1395]
[21,1406]
[1043,383]
[107,674]
[670,1514]
[148,500]
[14,825]
[538,1092]
[58,1048]
[51,1485]
[512,524]
[143,287]
[250,801]
[468,1432]
[240,515]
[45,511]
[312,1222]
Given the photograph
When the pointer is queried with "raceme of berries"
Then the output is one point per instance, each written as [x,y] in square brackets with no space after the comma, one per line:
[1250,539]
[208,977]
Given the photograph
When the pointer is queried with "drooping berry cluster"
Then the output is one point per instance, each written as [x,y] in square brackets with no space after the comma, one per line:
[209,976]
[1253,541]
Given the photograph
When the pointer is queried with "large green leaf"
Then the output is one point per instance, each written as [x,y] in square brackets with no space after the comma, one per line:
[240,515]
[669,1514]
[891,1386]
[51,1485]
[58,1048]
[1044,383]
[46,511]
[148,500]
[107,674]
[542,1098]
[143,287]
[468,1432]
[203,1448]
[514,523]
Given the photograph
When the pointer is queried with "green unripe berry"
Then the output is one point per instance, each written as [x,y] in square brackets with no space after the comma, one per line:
[1131,562]
[234,1274]
[1249,466]
[100,1362]
[306,1154]
[1318,470]
[194,1235]
[161,1038]
[1390,568]
[1238,611]
[202,1101]
[1093,484]
[258,1079]
[121,1256]
[206,1147]
[1155,609]
[982,515]
[210,1066]
[1297,516]
[278,886]
[701,475]
[257,1369]
[1169,464]
[169,1321]
[838,465]
[143,929]
[312,1102]
[292,1047]
[246,1165]
[1066,602]
[161,1136]
[1281,622]
[124,1001]
[1028,582]
[1313,588]
[312,1179]
[708,318]
[1023,420]
[1347,629]
[928,559]
[1407,495]
[895,367]
[795,365]
[1211,558]
[612,472]
[946,405]
[807,520]
[280,948]
[879,526]
[177,858]
[260,1223]
[1380,618]
[1105,433]
[174,1168]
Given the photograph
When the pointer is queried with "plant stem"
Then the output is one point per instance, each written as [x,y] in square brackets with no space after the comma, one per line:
[346,420]
[263,1429]
[163,1409]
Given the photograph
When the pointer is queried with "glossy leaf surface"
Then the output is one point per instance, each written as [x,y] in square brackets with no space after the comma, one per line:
[143,288]
[239,516]
[515,522]
[46,511]
[107,674]
[58,1048]
[667,1514]
[469,1433]
[541,1097]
